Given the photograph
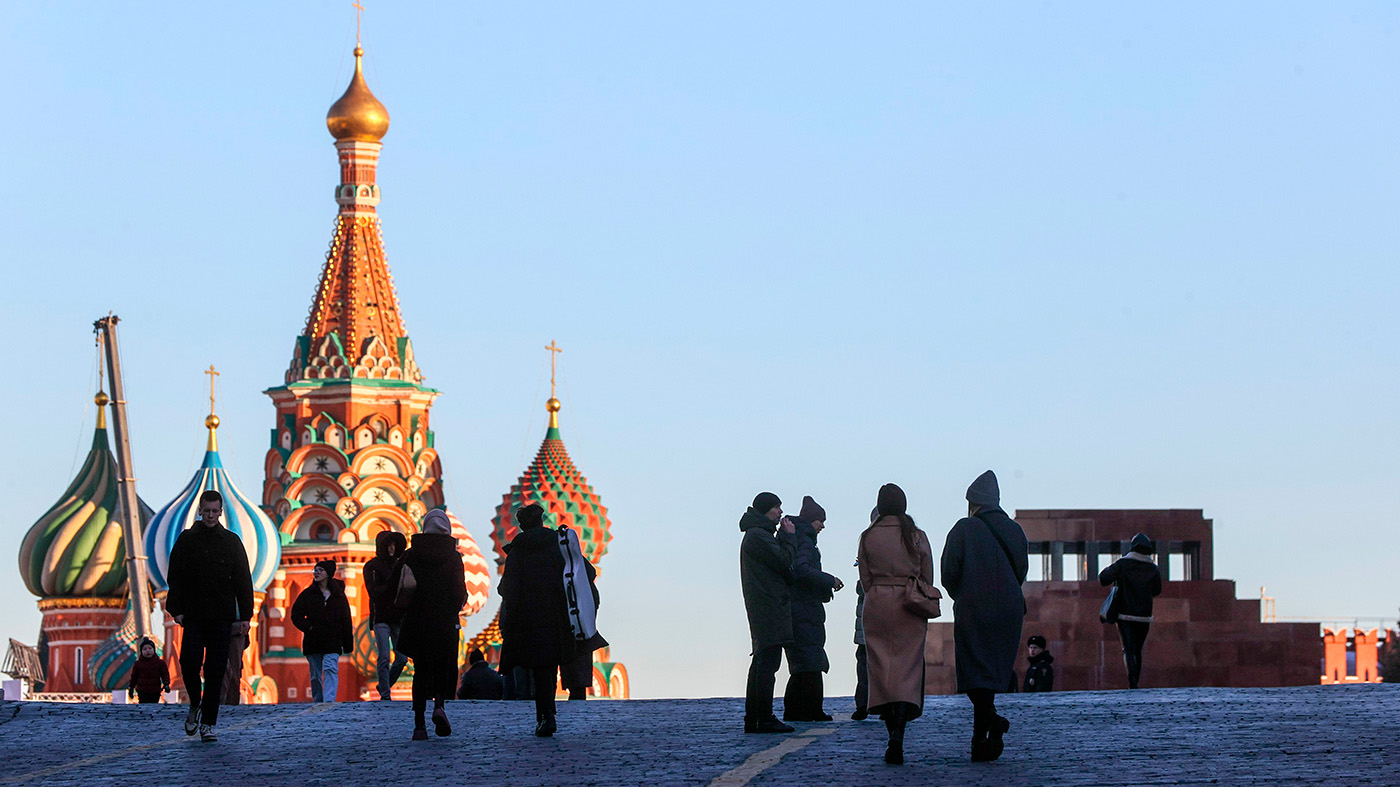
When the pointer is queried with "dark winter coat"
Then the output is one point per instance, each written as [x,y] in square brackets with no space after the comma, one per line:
[208,577]
[149,675]
[1138,582]
[988,606]
[812,589]
[481,683]
[860,613]
[765,571]
[535,628]
[1040,676]
[324,621]
[381,583]
[431,624]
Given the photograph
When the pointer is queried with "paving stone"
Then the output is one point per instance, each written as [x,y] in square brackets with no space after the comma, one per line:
[1311,735]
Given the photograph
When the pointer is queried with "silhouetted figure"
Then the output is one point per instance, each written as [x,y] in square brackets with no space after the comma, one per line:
[581,594]
[432,590]
[811,589]
[1138,582]
[984,564]
[381,584]
[322,613]
[211,598]
[765,571]
[480,682]
[1040,675]
[862,667]
[894,552]
[534,612]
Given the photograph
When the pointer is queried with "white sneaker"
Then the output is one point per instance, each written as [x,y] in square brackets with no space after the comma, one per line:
[206,733]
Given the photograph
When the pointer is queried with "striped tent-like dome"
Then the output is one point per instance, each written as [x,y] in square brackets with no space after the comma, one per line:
[478,571]
[242,516]
[560,489]
[76,549]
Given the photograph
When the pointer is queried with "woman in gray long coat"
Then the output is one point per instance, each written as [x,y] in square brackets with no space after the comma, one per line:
[892,550]
[984,564]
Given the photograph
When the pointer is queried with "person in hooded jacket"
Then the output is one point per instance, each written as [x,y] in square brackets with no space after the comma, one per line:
[1040,675]
[892,550]
[381,585]
[535,629]
[765,570]
[322,613]
[480,682]
[984,564]
[1139,582]
[812,588]
[150,676]
[430,627]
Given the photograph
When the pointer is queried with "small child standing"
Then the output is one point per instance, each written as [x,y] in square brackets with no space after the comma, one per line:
[149,675]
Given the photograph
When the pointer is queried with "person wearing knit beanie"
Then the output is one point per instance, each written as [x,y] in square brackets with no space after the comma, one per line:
[813,588]
[766,574]
[765,502]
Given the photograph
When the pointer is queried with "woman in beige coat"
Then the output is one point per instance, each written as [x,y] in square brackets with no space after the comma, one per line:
[892,550]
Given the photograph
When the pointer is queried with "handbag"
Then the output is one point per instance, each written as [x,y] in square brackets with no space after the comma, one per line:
[407,585]
[921,598]
[1108,613]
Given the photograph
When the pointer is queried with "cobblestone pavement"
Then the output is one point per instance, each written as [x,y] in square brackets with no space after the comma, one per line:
[1334,734]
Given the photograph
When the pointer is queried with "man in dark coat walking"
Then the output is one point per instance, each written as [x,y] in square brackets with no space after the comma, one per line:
[430,629]
[381,584]
[1139,582]
[765,571]
[535,629]
[984,565]
[211,598]
[811,589]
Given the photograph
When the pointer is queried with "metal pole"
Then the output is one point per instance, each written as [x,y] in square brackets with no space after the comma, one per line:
[129,508]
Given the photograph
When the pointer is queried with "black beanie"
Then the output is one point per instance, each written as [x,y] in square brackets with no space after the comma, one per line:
[328,565]
[765,502]
[1037,641]
[530,516]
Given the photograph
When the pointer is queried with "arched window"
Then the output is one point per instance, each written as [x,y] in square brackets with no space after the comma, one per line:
[323,531]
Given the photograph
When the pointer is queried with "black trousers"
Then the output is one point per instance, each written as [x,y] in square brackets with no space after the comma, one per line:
[205,645]
[434,675]
[578,674]
[1134,636]
[543,678]
[802,701]
[862,679]
[984,710]
[758,694]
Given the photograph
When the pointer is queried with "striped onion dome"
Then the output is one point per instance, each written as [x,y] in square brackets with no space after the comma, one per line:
[241,515]
[111,662]
[556,485]
[478,571]
[76,549]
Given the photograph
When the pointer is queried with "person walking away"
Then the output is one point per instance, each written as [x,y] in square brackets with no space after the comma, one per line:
[812,588]
[893,550]
[1138,582]
[862,669]
[535,629]
[381,583]
[431,592]
[210,597]
[984,565]
[765,571]
[581,595]
[150,677]
[322,614]
[480,682]
[1040,675]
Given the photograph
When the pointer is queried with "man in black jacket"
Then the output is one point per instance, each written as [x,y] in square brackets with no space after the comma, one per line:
[211,598]
[1040,675]
[480,682]
[381,586]
[1138,582]
[765,571]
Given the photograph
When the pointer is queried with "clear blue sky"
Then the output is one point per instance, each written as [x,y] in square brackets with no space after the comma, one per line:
[1126,255]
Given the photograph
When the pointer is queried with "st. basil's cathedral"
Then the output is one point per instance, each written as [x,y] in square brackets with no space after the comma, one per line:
[352,455]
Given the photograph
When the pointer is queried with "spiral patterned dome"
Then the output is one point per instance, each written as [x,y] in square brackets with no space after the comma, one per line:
[111,662]
[366,659]
[478,571]
[242,516]
[76,549]
[556,485]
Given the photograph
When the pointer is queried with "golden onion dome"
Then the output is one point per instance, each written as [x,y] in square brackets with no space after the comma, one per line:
[357,115]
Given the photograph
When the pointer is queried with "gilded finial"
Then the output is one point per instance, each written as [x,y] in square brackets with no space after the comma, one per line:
[553,404]
[357,115]
[212,422]
[101,400]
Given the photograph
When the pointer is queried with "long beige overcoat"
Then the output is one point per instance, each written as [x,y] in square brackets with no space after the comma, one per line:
[894,638]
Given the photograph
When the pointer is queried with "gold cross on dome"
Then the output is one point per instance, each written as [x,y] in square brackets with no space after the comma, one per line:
[554,351]
[359,12]
[212,374]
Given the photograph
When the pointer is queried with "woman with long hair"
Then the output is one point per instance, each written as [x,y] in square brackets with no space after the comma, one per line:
[892,551]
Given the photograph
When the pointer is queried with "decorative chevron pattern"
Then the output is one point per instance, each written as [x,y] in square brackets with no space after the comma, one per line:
[478,571]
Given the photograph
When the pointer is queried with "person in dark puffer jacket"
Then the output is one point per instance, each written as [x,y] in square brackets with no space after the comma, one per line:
[813,588]
[1138,582]
[381,586]
[150,676]
[431,624]
[322,613]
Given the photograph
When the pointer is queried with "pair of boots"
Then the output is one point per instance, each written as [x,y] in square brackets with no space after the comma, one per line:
[441,726]
[986,741]
[760,723]
[894,751]
[544,725]
[802,701]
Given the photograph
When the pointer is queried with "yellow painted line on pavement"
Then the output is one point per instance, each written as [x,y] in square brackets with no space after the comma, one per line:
[68,766]
[761,761]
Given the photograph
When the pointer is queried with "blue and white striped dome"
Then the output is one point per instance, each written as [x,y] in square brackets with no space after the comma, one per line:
[242,516]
